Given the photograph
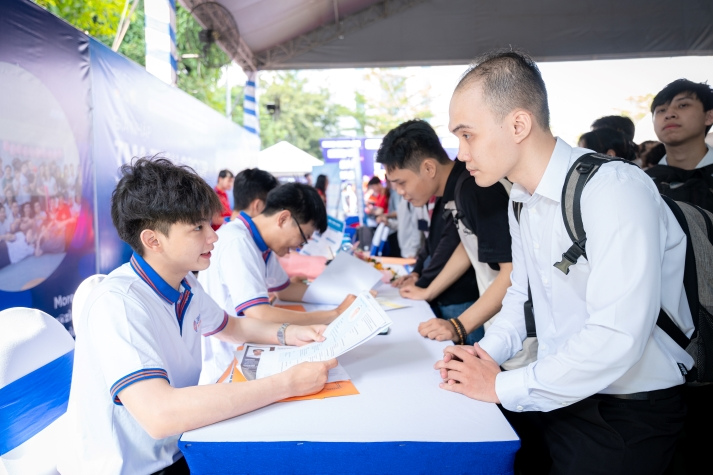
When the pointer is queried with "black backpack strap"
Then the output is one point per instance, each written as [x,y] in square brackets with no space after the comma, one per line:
[579,174]
[460,215]
[527,306]
[690,280]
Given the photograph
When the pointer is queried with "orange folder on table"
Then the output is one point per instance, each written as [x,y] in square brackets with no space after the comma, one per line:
[333,389]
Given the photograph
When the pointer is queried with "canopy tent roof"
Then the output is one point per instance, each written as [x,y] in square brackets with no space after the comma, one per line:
[302,34]
[284,159]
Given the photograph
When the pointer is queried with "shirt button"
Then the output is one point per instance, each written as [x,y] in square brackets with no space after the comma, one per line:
[519,408]
[545,281]
[536,245]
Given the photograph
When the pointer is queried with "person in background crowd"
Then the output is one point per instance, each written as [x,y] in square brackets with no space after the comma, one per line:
[250,191]
[377,199]
[683,115]
[224,185]
[617,122]
[609,142]
[604,393]
[653,156]
[321,187]
[391,219]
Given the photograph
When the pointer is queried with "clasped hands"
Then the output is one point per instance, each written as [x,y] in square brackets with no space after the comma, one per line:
[469,370]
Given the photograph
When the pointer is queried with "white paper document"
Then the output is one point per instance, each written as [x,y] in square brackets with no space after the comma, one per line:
[249,357]
[345,275]
[362,321]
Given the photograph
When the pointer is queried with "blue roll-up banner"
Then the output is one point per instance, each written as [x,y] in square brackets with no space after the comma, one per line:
[47,181]
[71,113]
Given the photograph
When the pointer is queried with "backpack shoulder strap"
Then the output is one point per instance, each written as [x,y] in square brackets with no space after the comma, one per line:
[528,308]
[579,174]
[458,214]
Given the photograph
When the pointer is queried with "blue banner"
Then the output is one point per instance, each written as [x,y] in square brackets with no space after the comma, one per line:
[46,212]
[136,115]
[73,112]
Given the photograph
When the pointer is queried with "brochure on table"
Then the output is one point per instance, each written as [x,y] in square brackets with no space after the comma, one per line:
[360,322]
[327,244]
[344,275]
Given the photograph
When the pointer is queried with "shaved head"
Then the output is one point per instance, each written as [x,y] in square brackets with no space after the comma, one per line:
[510,80]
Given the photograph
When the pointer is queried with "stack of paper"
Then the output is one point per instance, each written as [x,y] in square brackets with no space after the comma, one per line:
[362,321]
[345,275]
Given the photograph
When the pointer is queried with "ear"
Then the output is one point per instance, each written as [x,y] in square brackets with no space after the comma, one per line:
[521,122]
[150,240]
[428,168]
[256,207]
[709,117]
[283,217]
[611,153]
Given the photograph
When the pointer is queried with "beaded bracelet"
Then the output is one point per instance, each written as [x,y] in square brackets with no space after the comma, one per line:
[461,329]
[459,334]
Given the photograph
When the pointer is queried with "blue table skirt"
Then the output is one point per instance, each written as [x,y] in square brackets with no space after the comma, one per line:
[311,458]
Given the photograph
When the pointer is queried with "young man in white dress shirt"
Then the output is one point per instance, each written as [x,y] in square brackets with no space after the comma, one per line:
[138,355]
[604,393]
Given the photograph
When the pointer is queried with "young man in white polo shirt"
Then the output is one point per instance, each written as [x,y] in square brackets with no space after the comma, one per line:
[137,355]
[604,393]
[245,270]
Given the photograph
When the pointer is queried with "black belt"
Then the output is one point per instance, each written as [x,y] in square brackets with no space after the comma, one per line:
[645,396]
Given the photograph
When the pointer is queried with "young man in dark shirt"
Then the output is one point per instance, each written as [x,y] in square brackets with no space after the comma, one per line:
[459,240]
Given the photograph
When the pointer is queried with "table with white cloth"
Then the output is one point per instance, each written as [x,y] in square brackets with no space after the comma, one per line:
[400,422]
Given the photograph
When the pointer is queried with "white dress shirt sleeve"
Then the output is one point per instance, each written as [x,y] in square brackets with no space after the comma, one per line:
[604,312]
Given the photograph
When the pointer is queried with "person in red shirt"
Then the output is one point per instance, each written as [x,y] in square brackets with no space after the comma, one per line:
[378,201]
[225,184]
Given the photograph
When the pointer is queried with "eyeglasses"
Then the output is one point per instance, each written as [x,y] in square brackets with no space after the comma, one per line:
[304,238]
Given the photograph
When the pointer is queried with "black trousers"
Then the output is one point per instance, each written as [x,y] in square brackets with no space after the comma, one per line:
[599,435]
[179,467]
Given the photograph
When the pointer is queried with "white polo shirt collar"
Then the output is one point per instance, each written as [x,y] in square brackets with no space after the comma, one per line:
[257,237]
[181,300]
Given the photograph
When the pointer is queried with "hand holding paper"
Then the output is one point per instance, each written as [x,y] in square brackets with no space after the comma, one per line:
[361,321]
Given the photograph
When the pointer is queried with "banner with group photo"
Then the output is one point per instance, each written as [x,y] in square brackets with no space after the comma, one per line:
[46,204]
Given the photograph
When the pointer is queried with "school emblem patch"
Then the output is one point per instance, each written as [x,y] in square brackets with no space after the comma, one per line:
[197,323]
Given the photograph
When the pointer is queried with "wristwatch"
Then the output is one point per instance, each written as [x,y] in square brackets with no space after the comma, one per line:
[281,333]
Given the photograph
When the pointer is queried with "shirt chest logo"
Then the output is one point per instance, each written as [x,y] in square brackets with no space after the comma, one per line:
[197,323]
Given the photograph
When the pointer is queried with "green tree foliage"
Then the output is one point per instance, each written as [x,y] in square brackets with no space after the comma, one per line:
[396,100]
[98,18]
[304,117]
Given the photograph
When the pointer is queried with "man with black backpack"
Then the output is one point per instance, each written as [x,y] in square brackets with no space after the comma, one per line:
[683,115]
[603,395]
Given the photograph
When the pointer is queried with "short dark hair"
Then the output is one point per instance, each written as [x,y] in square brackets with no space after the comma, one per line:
[409,144]
[653,156]
[701,90]
[617,122]
[321,183]
[225,173]
[301,200]
[510,80]
[251,184]
[153,193]
[375,180]
[604,139]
